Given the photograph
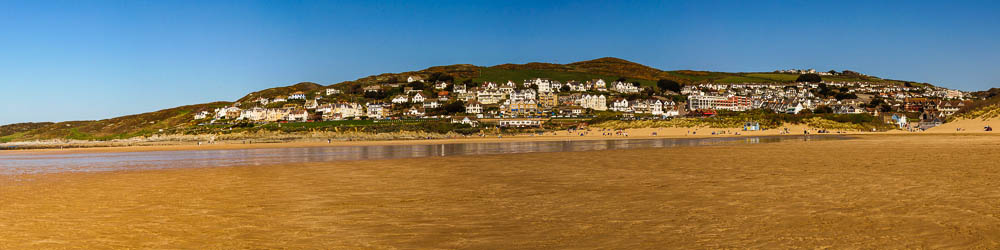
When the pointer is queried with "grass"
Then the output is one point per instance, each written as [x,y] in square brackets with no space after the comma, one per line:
[767,120]
[775,76]
[11,137]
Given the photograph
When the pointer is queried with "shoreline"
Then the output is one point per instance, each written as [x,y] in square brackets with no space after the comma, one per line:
[562,135]
[594,134]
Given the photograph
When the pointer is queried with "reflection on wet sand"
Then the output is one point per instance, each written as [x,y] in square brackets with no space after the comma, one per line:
[871,192]
[96,162]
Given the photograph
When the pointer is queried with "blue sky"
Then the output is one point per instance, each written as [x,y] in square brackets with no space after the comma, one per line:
[86,60]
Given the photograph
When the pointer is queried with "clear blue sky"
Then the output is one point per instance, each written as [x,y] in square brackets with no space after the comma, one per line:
[85,60]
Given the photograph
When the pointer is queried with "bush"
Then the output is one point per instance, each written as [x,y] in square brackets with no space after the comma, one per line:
[809,78]
[667,84]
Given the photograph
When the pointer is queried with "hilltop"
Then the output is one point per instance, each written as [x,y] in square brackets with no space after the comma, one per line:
[608,68]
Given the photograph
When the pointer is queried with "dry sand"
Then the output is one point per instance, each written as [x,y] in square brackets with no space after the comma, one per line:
[913,191]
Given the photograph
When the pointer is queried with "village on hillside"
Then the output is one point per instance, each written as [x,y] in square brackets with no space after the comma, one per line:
[534,102]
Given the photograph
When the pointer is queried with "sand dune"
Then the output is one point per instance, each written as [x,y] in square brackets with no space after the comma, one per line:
[965,126]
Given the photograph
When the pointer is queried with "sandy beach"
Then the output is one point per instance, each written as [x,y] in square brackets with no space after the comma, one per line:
[894,191]
[592,134]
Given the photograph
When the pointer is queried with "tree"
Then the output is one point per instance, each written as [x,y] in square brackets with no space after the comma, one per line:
[832,72]
[621,79]
[636,84]
[842,96]
[416,85]
[454,107]
[440,77]
[809,78]
[908,84]
[564,88]
[667,84]
[875,102]
[375,95]
[823,110]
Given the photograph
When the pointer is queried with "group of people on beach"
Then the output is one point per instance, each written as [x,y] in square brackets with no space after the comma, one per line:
[613,132]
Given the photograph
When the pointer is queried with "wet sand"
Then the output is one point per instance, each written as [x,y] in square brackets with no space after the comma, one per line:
[594,134]
[927,191]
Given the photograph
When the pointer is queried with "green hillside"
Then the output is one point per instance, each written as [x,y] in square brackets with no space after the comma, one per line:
[607,68]
[115,128]
[307,87]
[987,107]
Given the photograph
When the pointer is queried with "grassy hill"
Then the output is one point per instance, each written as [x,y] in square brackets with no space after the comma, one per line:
[607,68]
[307,87]
[988,107]
[114,128]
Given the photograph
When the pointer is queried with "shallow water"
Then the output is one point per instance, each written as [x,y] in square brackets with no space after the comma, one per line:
[95,162]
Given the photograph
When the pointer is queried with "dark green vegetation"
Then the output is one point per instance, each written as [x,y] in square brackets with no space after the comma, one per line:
[770,119]
[667,84]
[809,78]
[839,93]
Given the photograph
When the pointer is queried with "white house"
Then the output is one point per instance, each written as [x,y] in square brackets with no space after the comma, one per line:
[253,114]
[227,113]
[201,115]
[465,120]
[311,104]
[440,85]
[414,111]
[432,105]
[794,109]
[418,98]
[300,115]
[298,95]
[599,85]
[332,91]
[620,105]
[489,96]
[520,123]
[279,98]
[624,87]
[594,102]
[349,109]
[414,79]
[554,86]
[263,101]
[576,86]
[544,85]
[489,85]
[473,108]
[400,99]
[375,110]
